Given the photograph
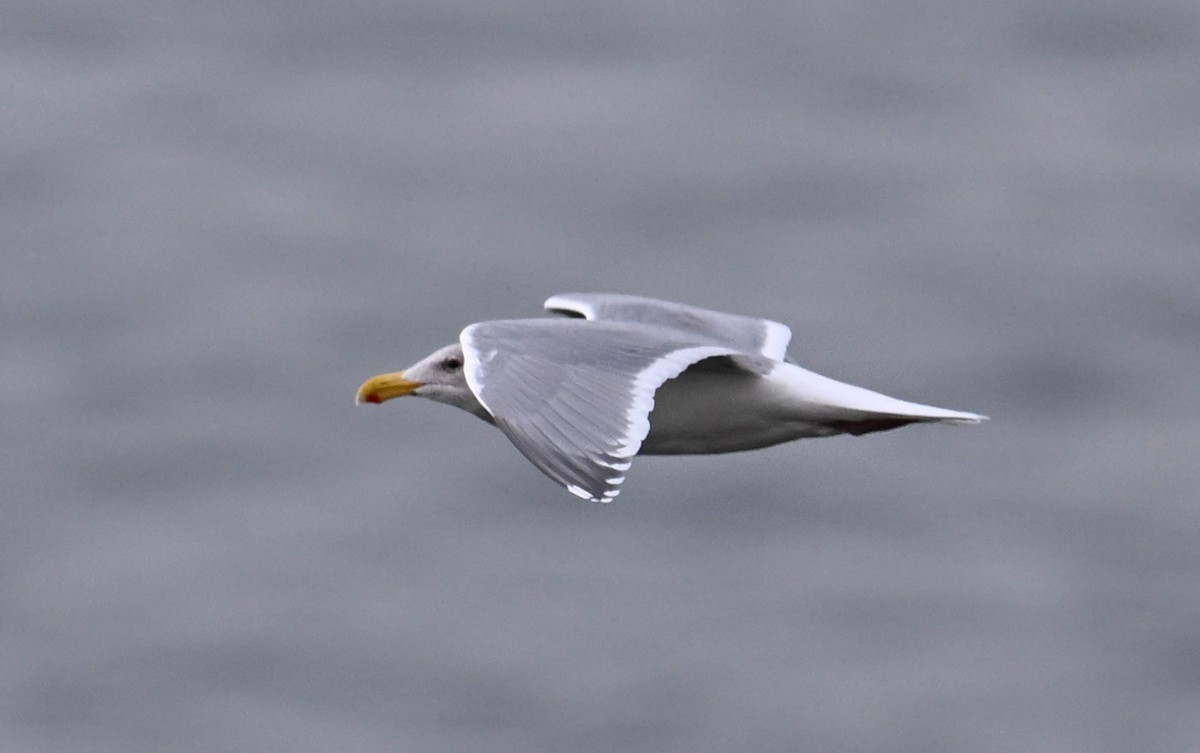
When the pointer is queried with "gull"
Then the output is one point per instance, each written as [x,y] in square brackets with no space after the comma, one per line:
[625,375]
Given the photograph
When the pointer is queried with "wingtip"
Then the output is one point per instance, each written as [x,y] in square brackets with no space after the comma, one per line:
[968,420]
[608,496]
[569,304]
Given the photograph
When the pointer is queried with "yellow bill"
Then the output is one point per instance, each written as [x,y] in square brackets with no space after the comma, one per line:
[384,387]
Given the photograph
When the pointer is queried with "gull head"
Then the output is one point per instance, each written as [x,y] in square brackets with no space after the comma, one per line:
[439,376]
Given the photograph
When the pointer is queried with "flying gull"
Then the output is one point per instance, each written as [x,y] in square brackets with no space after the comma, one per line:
[625,375]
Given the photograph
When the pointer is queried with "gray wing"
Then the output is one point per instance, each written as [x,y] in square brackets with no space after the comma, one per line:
[762,338]
[575,396]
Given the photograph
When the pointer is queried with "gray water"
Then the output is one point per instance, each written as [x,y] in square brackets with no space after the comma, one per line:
[218,219]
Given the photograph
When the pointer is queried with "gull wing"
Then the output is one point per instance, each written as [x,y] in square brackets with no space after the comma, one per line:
[753,337]
[575,396]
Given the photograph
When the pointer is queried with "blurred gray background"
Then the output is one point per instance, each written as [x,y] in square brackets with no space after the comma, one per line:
[217,219]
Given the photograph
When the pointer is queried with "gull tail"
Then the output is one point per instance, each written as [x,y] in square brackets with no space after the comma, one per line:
[857,410]
[882,422]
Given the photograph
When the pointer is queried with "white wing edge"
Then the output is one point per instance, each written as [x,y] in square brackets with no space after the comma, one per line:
[775,344]
[637,416]
[473,362]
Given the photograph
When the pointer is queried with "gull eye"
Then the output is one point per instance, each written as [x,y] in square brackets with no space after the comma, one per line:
[453,363]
